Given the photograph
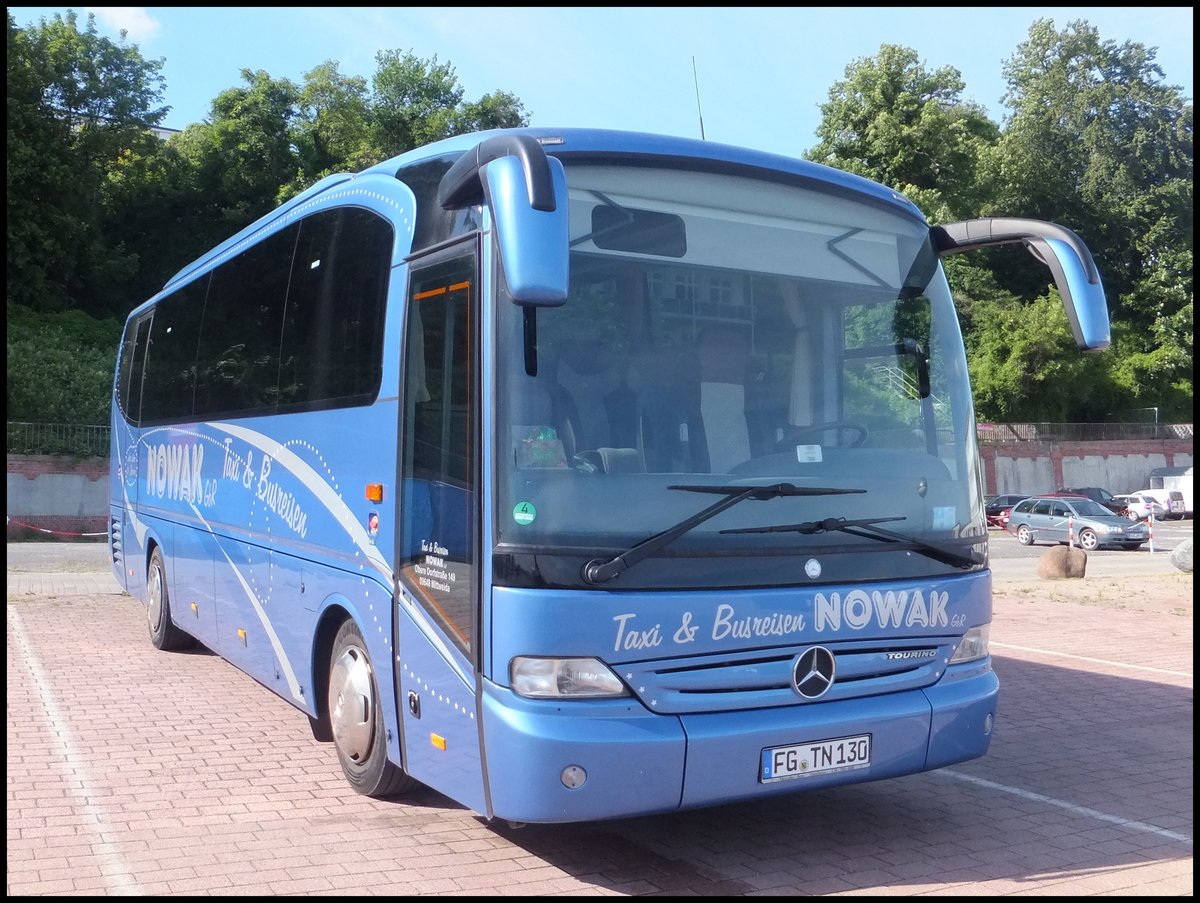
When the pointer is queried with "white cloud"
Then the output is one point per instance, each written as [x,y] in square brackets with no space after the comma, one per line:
[139,24]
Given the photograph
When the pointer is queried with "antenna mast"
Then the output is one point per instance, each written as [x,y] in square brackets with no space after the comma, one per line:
[699,112]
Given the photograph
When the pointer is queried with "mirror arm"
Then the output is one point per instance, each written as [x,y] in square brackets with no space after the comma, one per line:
[954,238]
[462,186]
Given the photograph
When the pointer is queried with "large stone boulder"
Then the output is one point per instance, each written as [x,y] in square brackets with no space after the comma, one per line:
[1181,556]
[1062,562]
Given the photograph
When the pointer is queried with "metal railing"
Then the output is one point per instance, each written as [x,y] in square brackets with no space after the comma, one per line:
[70,439]
[1081,432]
[92,441]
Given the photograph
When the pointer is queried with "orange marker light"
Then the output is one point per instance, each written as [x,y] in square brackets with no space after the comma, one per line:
[374,492]
[438,741]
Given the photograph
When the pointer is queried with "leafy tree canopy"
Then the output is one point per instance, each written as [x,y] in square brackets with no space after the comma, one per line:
[102,212]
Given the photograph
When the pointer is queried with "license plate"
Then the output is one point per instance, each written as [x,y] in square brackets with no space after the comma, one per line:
[819,757]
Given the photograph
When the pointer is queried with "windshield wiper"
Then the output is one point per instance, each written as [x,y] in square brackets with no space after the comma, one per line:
[867,528]
[599,571]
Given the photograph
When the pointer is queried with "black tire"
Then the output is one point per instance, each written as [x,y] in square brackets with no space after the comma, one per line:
[163,632]
[1024,535]
[356,718]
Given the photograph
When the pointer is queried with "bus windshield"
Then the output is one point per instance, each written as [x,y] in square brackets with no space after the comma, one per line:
[725,332]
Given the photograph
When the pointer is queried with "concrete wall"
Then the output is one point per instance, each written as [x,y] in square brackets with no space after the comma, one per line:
[1120,466]
[53,497]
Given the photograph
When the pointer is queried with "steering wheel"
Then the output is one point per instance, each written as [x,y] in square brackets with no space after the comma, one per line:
[793,434]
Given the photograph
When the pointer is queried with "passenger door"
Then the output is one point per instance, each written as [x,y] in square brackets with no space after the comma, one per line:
[1058,524]
[438,585]
[1039,521]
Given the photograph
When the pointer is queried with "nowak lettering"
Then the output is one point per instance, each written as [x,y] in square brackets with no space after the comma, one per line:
[891,609]
[174,471]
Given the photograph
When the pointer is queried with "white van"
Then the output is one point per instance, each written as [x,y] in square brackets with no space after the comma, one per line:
[1176,479]
[1172,501]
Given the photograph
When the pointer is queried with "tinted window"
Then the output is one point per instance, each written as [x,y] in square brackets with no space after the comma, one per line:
[238,369]
[435,224]
[333,327]
[133,358]
[170,376]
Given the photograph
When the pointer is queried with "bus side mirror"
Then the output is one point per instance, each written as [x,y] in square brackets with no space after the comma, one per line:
[1061,250]
[525,190]
[533,243]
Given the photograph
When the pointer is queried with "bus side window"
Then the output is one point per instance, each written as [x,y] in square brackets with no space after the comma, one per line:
[238,360]
[133,359]
[332,344]
[169,380]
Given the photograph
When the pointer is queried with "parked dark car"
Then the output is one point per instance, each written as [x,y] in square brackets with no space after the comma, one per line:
[1096,494]
[1075,520]
[997,507]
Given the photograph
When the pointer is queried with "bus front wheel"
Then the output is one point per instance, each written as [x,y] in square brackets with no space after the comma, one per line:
[356,718]
[163,632]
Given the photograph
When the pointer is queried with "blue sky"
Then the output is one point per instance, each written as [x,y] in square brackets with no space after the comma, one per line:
[762,72]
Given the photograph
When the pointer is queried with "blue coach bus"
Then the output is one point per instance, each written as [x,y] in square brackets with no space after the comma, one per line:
[579,474]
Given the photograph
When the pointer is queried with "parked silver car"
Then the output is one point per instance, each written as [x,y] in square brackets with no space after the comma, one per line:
[1078,521]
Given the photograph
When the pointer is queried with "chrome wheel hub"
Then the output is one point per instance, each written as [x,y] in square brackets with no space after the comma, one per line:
[352,704]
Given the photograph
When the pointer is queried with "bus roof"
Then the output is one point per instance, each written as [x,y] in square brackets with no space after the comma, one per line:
[579,141]
[569,142]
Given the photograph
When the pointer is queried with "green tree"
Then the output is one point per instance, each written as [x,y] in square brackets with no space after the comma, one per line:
[415,102]
[60,366]
[333,127]
[245,153]
[1097,142]
[894,121]
[78,102]
[1025,367]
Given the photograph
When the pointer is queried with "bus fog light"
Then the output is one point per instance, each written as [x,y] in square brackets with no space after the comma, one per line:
[573,777]
[559,678]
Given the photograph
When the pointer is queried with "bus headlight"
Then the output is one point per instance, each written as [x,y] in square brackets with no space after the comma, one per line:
[561,678]
[973,645]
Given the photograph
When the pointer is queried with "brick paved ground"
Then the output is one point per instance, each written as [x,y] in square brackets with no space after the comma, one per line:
[131,771]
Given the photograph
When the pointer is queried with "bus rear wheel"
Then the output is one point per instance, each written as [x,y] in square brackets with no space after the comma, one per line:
[163,632]
[356,718]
